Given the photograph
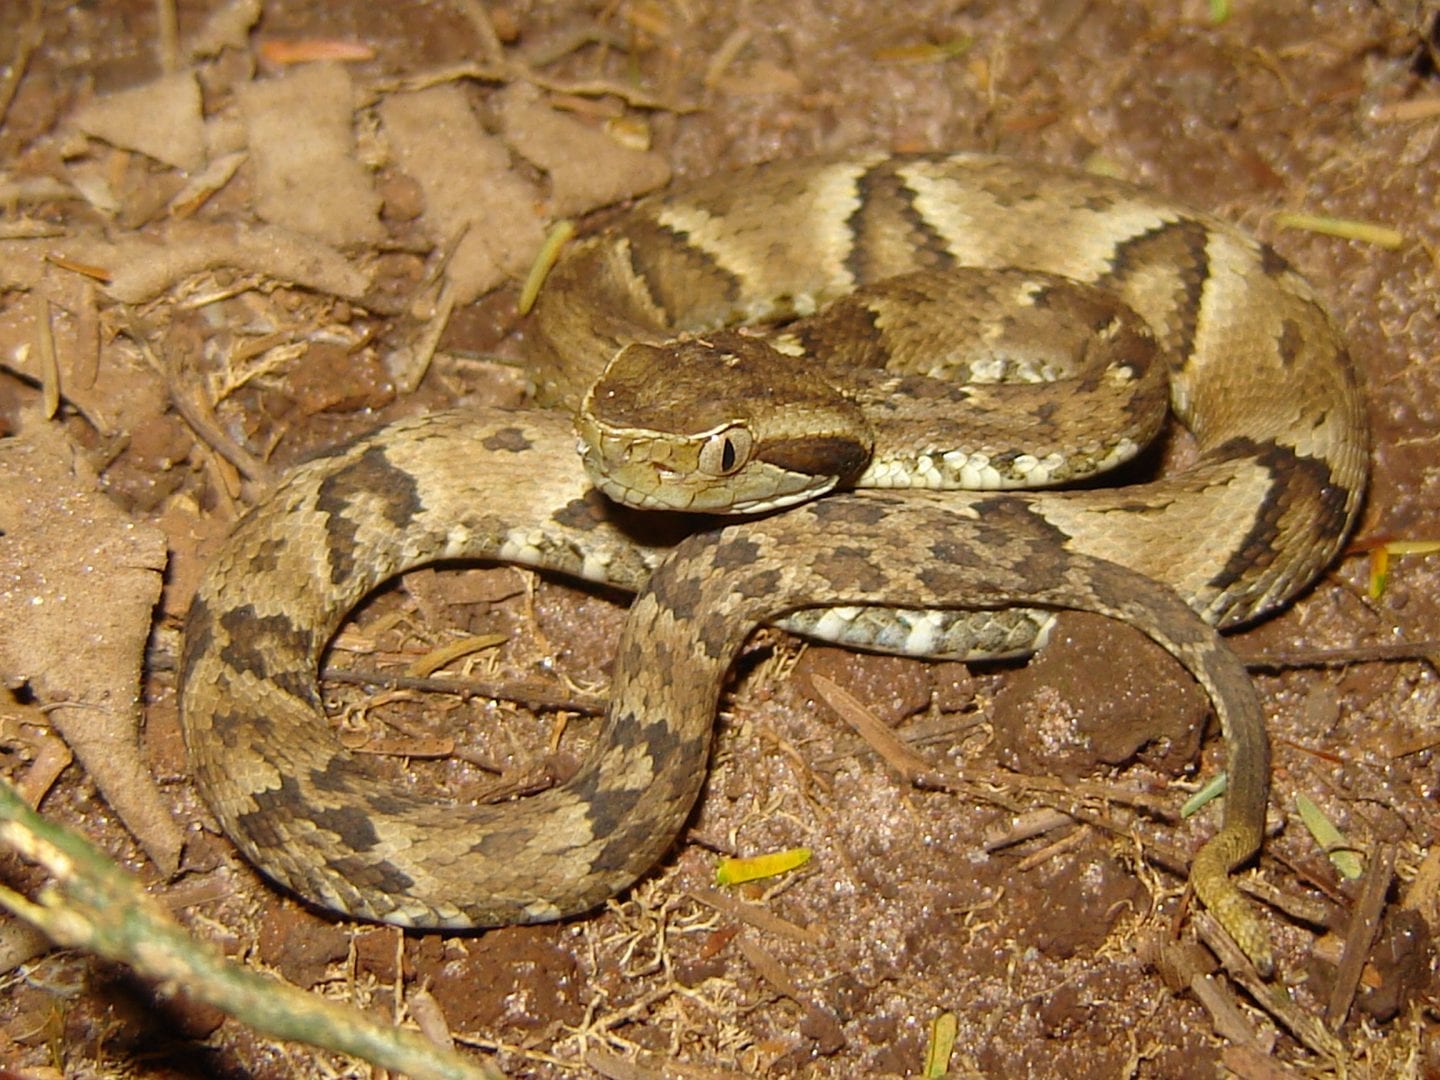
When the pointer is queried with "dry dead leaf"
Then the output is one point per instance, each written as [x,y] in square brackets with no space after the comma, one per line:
[588,168]
[78,583]
[466,178]
[302,145]
[161,119]
[142,267]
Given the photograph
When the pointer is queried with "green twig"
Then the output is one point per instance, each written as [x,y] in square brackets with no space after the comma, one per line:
[96,906]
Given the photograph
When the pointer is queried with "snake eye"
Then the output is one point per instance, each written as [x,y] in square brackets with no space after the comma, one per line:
[725,451]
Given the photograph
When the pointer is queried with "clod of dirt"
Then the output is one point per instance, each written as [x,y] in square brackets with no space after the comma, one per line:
[892,687]
[299,945]
[1403,958]
[141,268]
[515,977]
[1099,694]
[1073,903]
[336,379]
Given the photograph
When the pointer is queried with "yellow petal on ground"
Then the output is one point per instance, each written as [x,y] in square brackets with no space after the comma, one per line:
[1366,232]
[1380,560]
[942,1045]
[436,659]
[555,240]
[731,871]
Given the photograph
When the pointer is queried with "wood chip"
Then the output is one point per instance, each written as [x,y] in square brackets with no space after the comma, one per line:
[1360,935]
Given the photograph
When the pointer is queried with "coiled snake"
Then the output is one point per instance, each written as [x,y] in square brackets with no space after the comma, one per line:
[1258,375]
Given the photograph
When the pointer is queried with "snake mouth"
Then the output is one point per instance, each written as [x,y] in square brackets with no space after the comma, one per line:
[649,485]
[627,495]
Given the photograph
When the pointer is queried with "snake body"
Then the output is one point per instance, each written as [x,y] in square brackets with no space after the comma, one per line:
[1258,374]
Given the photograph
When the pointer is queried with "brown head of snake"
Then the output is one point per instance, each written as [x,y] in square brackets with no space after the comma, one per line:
[1258,375]
[942,379]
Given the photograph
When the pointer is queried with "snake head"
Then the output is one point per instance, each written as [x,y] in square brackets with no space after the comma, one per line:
[722,424]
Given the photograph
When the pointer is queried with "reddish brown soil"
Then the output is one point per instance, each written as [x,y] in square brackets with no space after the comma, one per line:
[900,916]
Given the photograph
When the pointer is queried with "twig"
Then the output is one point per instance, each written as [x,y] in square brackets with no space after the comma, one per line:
[196,412]
[1353,654]
[26,42]
[1399,112]
[513,72]
[1274,999]
[49,362]
[918,771]
[754,915]
[1066,842]
[168,43]
[1029,824]
[96,906]
[532,693]
[479,19]
[536,695]
[1360,935]
[771,970]
[1253,1065]
[1185,965]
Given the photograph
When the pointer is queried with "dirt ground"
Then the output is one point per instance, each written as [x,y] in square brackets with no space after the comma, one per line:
[207,276]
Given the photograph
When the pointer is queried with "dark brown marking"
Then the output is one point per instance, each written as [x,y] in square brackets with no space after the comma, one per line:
[847,512]
[501,844]
[391,804]
[374,877]
[851,571]
[338,778]
[199,637]
[1098,202]
[652,738]
[1272,262]
[262,826]
[367,485]
[890,233]
[758,586]
[734,552]
[606,805]
[1001,524]
[267,556]
[660,654]
[1309,483]
[285,802]
[352,824]
[818,455]
[1179,249]
[716,639]
[677,590]
[1291,345]
[638,837]
[509,440]
[236,730]
[245,631]
[682,280]
[583,514]
[632,653]
[1005,459]
[848,330]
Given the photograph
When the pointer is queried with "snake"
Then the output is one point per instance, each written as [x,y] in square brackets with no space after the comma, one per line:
[1258,374]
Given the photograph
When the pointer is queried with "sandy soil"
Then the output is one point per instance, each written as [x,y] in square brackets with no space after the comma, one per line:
[108,243]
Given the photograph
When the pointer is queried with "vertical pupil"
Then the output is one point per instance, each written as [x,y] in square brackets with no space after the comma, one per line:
[727,456]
